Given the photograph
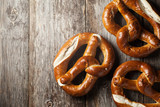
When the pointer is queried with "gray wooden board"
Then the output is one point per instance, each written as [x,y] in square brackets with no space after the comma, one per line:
[32,32]
[14,33]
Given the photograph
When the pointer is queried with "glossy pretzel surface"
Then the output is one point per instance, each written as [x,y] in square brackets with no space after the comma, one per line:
[142,84]
[133,30]
[86,63]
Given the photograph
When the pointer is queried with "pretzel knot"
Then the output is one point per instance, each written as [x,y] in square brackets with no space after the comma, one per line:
[143,84]
[86,63]
[133,30]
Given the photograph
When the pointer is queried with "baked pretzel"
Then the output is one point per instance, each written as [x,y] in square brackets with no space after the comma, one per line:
[133,29]
[87,62]
[143,84]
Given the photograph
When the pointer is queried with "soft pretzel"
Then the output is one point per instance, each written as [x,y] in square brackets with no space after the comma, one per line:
[133,29]
[143,84]
[87,62]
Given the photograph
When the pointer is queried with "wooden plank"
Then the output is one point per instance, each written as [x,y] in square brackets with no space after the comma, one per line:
[14,53]
[52,22]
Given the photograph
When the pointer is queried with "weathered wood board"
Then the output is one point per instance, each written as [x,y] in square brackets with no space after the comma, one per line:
[32,32]
[14,34]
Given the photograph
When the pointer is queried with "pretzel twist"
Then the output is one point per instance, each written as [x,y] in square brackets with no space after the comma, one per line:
[133,29]
[143,84]
[86,63]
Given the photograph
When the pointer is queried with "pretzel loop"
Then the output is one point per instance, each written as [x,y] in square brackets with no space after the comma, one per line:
[146,88]
[80,65]
[143,84]
[86,63]
[133,30]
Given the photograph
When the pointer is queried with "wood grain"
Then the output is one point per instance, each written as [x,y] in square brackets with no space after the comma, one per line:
[14,33]
[52,22]
[31,34]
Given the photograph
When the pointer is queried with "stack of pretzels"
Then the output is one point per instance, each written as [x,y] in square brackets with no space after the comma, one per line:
[124,35]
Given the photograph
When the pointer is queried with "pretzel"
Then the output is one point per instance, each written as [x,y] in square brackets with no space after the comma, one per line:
[133,30]
[143,84]
[87,62]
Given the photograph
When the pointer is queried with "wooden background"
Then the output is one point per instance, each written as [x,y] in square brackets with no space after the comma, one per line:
[32,32]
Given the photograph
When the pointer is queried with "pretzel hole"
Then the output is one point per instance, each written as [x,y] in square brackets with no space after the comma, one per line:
[99,55]
[137,96]
[144,23]
[156,86]
[133,75]
[147,26]
[133,95]
[154,5]
[119,19]
[137,43]
[79,78]
[76,56]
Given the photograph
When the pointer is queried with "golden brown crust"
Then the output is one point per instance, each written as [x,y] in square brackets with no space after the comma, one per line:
[143,83]
[87,62]
[132,30]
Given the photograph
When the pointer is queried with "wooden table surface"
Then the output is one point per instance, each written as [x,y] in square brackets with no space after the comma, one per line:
[32,32]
